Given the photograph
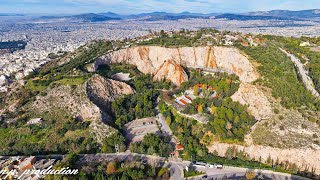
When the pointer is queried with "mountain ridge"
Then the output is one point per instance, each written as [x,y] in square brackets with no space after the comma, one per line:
[155,16]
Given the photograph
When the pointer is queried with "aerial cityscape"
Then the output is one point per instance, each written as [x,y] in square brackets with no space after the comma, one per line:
[185,89]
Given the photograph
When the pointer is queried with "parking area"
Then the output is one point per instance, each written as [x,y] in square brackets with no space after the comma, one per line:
[137,129]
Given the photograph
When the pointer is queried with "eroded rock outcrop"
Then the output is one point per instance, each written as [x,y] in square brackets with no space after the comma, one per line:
[103,91]
[151,59]
[173,70]
[300,157]
[258,103]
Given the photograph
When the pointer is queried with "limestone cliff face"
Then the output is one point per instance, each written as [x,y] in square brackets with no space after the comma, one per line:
[258,103]
[103,91]
[173,70]
[153,59]
[233,61]
[301,157]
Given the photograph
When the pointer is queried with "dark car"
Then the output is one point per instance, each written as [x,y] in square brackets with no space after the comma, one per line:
[144,160]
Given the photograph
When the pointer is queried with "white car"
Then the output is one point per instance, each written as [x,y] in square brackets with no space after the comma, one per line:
[210,166]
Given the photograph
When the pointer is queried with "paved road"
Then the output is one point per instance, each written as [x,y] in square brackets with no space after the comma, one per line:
[198,117]
[239,173]
[176,167]
[164,126]
[211,70]
[128,156]
[176,171]
[304,73]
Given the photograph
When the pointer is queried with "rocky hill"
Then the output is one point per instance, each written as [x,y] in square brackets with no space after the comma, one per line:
[88,102]
[167,63]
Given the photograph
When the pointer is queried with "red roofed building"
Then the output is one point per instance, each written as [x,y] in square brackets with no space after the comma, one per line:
[245,44]
[199,86]
[183,102]
[188,98]
[257,40]
[179,147]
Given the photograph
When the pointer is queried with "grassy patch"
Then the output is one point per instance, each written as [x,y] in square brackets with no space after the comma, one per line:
[192,173]
[72,81]
[34,86]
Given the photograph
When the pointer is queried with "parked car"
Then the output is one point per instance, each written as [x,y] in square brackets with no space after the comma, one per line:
[210,166]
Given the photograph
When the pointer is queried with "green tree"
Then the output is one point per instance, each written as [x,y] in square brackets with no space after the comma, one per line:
[230,114]
[195,90]
[168,120]
[111,167]
[200,108]
[151,150]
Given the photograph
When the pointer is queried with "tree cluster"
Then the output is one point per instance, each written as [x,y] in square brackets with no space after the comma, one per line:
[153,144]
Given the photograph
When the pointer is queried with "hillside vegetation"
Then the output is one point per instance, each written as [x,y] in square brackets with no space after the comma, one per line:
[60,132]
[278,73]
[304,54]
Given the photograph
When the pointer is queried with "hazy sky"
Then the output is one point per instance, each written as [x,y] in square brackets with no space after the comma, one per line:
[138,6]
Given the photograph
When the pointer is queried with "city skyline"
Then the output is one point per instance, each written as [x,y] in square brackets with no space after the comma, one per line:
[140,6]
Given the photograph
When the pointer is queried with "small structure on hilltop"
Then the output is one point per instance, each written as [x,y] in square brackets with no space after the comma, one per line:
[35,121]
[175,153]
[121,76]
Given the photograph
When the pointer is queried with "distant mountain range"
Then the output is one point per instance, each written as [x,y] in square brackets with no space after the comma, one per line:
[312,13]
[156,16]
[7,14]
[88,17]
[241,17]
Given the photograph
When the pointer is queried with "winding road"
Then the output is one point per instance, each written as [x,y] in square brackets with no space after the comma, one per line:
[303,73]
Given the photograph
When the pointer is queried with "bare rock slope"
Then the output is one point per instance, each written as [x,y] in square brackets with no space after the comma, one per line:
[103,91]
[153,59]
[173,70]
[301,157]
[258,103]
